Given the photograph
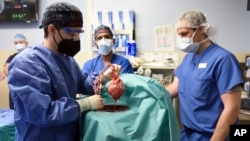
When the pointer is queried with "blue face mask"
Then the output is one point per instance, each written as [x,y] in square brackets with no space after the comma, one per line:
[105,46]
[187,44]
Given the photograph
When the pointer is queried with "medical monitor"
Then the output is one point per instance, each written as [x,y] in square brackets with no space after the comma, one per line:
[24,11]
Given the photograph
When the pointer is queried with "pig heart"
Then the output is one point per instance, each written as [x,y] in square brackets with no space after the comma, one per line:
[116,88]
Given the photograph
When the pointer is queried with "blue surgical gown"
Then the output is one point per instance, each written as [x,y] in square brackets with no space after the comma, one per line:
[202,80]
[44,85]
[95,65]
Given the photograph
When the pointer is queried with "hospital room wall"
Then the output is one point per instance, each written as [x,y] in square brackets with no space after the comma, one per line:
[232,28]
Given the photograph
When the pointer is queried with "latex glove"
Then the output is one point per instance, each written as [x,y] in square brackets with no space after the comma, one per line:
[90,103]
[108,74]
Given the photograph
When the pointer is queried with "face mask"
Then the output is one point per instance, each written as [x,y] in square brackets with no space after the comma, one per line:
[69,47]
[187,45]
[20,47]
[105,46]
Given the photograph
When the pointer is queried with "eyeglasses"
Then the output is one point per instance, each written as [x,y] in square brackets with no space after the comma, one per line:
[75,33]
[72,30]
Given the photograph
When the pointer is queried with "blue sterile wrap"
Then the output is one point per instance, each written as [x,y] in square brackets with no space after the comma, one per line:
[150,117]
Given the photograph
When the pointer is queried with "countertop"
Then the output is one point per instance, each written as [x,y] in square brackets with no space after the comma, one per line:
[244,117]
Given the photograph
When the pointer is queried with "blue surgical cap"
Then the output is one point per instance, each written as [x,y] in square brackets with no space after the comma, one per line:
[103,29]
[19,36]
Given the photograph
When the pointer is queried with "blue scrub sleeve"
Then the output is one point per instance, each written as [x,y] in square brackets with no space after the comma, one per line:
[228,66]
[127,67]
[36,100]
[89,82]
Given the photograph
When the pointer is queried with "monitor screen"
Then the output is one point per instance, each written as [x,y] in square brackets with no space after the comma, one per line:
[18,11]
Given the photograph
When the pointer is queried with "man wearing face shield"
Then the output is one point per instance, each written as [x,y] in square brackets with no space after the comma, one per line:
[104,43]
[208,82]
[44,80]
[20,43]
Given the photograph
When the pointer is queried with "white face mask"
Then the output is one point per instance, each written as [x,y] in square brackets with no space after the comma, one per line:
[20,46]
[105,46]
[187,45]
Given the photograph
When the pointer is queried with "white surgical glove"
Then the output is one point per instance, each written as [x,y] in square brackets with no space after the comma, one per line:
[90,103]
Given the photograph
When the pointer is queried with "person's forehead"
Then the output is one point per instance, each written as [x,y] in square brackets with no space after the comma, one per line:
[103,34]
[182,30]
[103,30]
[19,41]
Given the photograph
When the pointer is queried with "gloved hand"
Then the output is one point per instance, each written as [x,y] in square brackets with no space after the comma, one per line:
[109,73]
[90,103]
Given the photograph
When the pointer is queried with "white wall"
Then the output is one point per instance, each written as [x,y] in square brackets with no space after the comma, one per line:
[230,16]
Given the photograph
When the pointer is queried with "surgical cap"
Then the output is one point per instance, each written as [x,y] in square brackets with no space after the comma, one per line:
[19,36]
[62,14]
[194,19]
[191,19]
[103,29]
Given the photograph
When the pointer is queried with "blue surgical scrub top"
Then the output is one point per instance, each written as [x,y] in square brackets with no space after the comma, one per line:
[95,65]
[44,85]
[202,80]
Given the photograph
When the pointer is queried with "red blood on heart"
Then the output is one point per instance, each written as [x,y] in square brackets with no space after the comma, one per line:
[116,88]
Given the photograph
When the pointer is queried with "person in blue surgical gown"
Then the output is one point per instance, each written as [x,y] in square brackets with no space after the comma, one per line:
[20,43]
[208,82]
[44,80]
[104,43]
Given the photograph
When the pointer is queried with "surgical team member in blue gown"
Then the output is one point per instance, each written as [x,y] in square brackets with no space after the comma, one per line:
[20,43]
[104,43]
[45,78]
[208,82]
